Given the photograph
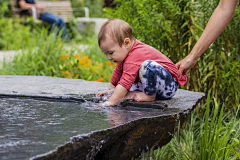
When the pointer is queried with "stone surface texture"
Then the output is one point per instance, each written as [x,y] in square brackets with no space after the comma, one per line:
[119,142]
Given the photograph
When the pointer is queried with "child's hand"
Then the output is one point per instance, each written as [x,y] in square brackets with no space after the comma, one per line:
[106,104]
[102,93]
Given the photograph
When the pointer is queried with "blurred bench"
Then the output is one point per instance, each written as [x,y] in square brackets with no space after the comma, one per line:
[61,8]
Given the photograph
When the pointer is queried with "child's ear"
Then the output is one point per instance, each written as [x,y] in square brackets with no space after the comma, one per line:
[127,42]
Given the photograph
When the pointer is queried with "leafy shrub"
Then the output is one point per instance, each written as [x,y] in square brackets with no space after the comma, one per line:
[4,9]
[13,35]
[95,7]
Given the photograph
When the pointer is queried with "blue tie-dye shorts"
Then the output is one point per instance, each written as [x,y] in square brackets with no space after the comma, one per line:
[155,80]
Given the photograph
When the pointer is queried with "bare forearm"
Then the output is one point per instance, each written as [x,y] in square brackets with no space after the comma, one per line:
[111,86]
[216,24]
[118,94]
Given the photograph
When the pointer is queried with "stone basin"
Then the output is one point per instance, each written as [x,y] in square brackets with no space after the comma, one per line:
[118,132]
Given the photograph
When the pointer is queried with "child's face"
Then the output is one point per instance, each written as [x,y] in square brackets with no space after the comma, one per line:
[113,51]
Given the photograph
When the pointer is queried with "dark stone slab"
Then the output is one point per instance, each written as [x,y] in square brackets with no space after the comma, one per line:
[125,139]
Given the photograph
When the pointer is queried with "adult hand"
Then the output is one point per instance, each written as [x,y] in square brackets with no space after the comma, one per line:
[224,11]
[185,64]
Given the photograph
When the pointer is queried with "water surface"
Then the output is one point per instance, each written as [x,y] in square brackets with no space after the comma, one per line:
[30,127]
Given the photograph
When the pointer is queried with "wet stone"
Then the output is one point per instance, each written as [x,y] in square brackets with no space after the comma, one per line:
[55,118]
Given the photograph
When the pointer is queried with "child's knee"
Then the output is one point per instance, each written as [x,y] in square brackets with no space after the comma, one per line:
[144,67]
[145,64]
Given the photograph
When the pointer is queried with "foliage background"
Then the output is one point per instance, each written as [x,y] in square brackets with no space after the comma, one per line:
[95,7]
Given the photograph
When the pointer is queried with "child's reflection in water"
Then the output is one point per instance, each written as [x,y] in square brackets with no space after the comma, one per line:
[118,117]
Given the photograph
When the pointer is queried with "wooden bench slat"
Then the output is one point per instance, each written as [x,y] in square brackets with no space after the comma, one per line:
[61,8]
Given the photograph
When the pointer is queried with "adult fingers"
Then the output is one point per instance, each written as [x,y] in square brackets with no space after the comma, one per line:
[180,72]
[178,64]
[180,69]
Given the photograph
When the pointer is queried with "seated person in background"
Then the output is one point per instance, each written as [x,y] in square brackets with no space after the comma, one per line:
[53,20]
[142,72]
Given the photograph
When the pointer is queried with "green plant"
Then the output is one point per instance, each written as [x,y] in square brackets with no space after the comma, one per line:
[4,9]
[95,7]
[216,141]
[213,135]
[220,74]
[184,144]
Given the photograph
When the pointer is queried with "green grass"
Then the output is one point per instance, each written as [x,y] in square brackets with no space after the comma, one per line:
[212,135]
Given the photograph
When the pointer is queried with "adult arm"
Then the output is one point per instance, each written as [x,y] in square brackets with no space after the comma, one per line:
[216,24]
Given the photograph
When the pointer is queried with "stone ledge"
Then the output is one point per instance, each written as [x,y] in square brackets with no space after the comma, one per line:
[122,141]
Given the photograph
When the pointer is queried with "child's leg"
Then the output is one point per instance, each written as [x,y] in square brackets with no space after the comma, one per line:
[156,80]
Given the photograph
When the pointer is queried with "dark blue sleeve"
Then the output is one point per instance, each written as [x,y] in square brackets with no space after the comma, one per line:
[25,12]
[27,1]
[30,1]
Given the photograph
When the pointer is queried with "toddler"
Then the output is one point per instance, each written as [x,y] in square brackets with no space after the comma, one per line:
[142,72]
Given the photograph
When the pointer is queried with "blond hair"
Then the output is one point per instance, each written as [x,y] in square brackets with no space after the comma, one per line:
[117,29]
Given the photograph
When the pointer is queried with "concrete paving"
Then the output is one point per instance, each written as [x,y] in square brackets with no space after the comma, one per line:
[8,55]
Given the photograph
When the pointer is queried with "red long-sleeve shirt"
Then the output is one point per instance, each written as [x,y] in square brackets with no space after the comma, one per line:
[126,73]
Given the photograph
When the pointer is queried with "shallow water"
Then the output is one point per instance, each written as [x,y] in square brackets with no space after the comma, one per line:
[30,127]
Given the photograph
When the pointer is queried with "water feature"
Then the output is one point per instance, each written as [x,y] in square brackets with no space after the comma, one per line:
[33,126]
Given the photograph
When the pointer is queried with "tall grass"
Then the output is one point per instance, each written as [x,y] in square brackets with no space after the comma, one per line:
[214,136]
[216,141]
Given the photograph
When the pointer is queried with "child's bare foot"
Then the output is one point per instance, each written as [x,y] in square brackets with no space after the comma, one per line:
[131,94]
[141,96]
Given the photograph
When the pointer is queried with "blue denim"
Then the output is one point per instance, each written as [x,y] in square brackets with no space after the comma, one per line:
[55,21]
[155,80]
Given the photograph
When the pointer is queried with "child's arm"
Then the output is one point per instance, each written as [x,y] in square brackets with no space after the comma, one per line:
[118,95]
[104,92]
